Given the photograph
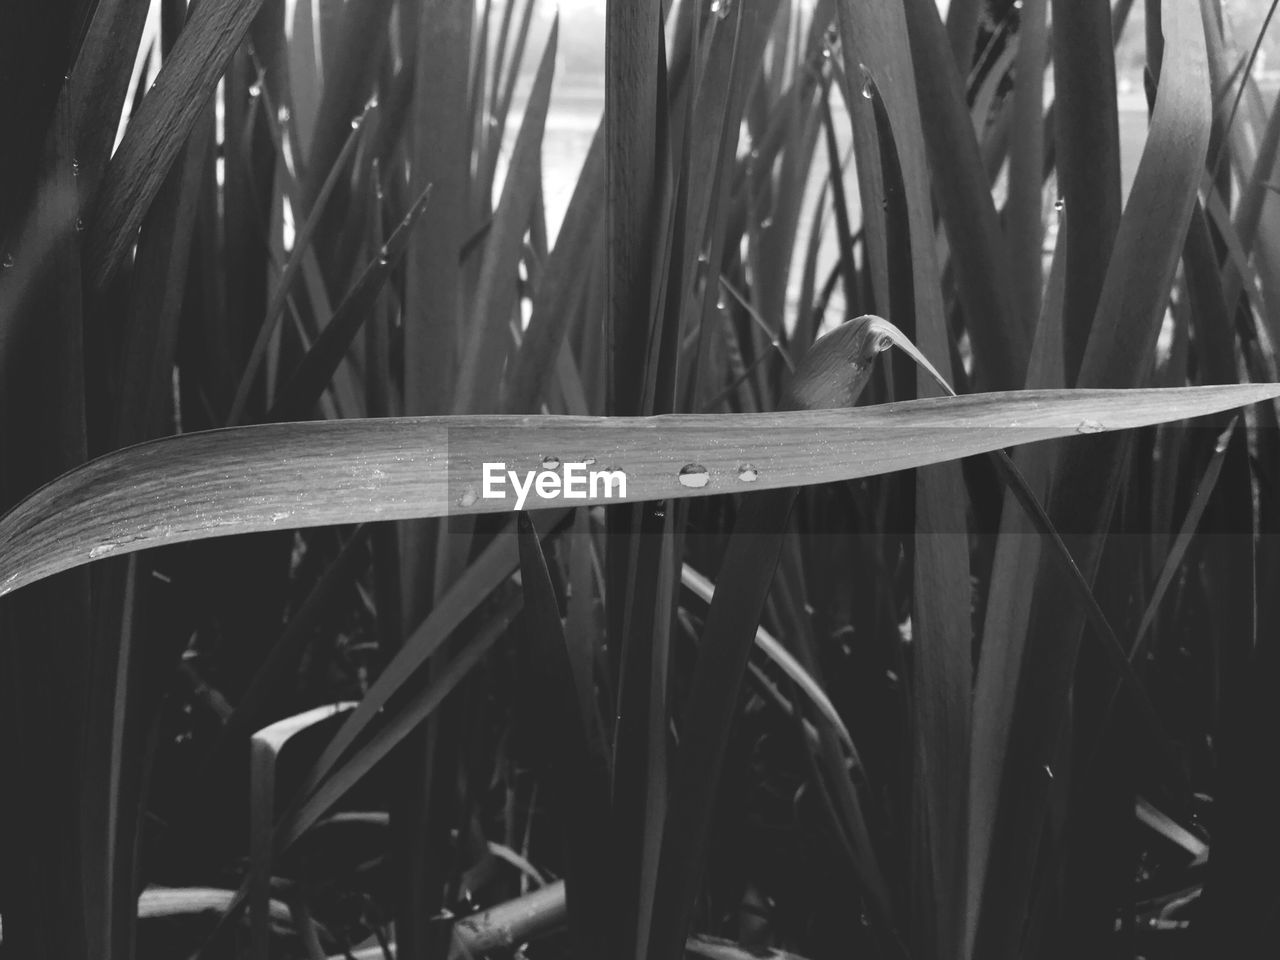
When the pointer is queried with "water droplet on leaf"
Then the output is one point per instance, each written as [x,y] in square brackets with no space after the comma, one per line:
[694,475]
[700,272]
[79,225]
[748,474]
[8,261]
[75,167]
[255,91]
[1059,204]
[550,462]
[721,8]
[1090,426]
[468,497]
[101,550]
[868,84]
[282,115]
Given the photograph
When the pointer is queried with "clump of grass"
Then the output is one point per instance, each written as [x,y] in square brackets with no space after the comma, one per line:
[824,681]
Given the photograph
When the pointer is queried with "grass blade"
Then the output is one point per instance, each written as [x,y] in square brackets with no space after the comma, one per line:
[347,85]
[1001,344]
[577,768]
[302,249]
[161,270]
[560,285]
[322,473]
[300,393]
[395,728]
[1121,347]
[843,357]
[1087,149]
[1204,490]
[158,130]
[1023,210]
[704,590]
[99,83]
[488,333]
[940,698]
[631,112]
[50,683]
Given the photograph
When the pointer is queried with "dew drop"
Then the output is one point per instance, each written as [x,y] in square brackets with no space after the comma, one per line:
[75,167]
[868,83]
[79,225]
[748,474]
[700,272]
[372,102]
[383,257]
[468,497]
[255,90]
[721,8]
[101,550]
[282,115]
[1048,771]
[1090,426]
[694,475]
[589,462]
[8,261]
[550,462]
[766,223]
[356,121]
[1059,204]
